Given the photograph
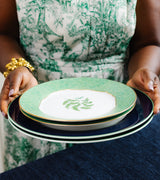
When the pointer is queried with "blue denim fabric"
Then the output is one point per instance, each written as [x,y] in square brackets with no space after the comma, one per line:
[135,157]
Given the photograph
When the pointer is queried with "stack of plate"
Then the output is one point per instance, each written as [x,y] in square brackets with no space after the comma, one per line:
[78,103]
[77,106]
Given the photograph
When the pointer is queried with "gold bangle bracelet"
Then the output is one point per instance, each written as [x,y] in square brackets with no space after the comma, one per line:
[15,63]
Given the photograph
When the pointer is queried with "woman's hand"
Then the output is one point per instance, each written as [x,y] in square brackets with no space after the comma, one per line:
[16,83]
[148,82]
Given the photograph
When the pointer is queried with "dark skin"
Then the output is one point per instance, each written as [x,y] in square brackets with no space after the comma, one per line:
[144,65]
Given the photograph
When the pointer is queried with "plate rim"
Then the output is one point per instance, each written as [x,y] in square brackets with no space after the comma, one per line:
[90,140]
[78,123]
[100,135]
[108,115]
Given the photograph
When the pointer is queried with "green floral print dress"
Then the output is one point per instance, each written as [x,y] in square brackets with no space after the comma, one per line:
[69,38]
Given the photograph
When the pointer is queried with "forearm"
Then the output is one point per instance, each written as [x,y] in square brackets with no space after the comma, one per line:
[147,57]
[9,48]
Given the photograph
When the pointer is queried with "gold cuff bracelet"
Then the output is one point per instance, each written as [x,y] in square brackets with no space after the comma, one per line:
[15,63]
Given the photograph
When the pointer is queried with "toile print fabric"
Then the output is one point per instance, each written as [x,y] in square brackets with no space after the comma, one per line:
[69,38]
[72,38]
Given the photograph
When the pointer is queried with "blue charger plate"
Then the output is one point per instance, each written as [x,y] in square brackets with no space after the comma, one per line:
[137,119]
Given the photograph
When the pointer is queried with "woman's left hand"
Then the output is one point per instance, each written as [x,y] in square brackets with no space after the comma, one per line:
[148,82]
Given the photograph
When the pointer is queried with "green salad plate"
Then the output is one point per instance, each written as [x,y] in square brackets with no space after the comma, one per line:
[77,100]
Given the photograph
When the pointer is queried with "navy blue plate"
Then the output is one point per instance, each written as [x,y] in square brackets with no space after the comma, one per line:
[138,118]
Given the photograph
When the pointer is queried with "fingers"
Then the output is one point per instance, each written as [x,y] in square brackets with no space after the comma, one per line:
[150,79]
[5,97]
[9,92]
[15,84]
[156,106]
[156,98]
[4,100]
[144,80]
[153,83]
[148,82]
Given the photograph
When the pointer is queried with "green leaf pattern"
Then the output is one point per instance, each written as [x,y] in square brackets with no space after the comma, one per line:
[73,38]
[78,103]
[69,38]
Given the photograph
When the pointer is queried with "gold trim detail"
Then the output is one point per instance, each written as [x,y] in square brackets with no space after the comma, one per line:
[15,63]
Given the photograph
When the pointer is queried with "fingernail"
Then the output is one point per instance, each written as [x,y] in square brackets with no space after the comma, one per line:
[150,85]
[11,92]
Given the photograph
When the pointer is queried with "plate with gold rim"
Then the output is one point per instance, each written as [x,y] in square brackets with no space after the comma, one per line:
[77,99]
[137,119]
[81,126]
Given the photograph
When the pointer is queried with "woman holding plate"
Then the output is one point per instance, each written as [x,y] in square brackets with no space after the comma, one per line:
[46,40]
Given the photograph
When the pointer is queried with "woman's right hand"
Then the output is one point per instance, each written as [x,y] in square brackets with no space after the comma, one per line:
[16,83]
